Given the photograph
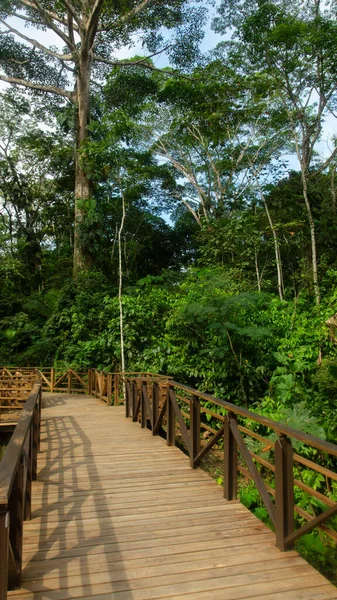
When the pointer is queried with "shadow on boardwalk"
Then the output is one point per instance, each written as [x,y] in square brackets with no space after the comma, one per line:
[118,515]
[71,535]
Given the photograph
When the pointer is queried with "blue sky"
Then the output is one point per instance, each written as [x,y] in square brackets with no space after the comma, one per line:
[49,38]
[211,39]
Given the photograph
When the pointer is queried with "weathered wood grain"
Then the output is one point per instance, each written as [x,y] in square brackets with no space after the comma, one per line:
[119,515]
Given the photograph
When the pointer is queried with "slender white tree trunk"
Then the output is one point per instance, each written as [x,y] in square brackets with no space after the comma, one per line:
[280,284]
[312,237]
[120,284]
[333,187]
[257,270]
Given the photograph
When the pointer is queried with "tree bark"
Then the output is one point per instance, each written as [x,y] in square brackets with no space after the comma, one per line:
[312,236]
[333,187]
[120,283]
[82,254]
[257,270]
[280,283]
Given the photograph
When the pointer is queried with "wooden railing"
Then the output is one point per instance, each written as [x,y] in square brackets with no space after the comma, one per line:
[52,379]
[109,387]
[249,446]
[14,390]
[18,469]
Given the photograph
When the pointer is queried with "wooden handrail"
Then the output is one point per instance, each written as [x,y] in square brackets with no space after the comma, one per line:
[13,452]
[142,400]
[52,379]
[155,400]
[18,469]
[107,386]
[278,427]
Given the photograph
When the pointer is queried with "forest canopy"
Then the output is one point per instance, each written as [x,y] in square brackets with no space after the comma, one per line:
[173,209]
[168,198]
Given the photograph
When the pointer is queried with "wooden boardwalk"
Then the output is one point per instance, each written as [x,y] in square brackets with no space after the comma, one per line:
[118,515]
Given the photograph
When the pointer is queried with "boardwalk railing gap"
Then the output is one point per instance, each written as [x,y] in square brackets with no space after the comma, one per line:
[151,401]
[18,469]
[236,436]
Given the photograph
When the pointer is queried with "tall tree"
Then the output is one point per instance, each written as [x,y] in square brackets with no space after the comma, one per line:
[32,182]
[213,131]
[292,46]
[90,32]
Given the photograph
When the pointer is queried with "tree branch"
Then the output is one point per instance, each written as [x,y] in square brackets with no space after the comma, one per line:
[71,28]
[324,165]
[139,63]
[27,19]
[51,14]
[93,22]
[54,28]
[23,62]
[48,17]
[190,208]
[72,10]
[133,13]
[39,87]
[187,171]
[37,44]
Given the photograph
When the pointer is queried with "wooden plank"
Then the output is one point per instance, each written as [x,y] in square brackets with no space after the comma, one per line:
[195,578]
[196,568]
[106,526]
[83,537]
[232,588]
[161,564]
[13,451]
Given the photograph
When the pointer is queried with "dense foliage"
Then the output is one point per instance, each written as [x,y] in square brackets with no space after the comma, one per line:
[210,220]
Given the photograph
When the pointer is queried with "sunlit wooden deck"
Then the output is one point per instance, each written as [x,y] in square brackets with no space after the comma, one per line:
[119,515]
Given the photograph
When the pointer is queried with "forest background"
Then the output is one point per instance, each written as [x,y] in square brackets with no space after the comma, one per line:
[180,219]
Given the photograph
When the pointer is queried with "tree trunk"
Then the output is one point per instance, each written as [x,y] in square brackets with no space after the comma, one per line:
[280,284]
[257,270]
[120,283]
[333,187]
[82,254]
[312,237]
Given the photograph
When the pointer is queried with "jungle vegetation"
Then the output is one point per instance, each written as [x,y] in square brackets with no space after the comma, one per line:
[195,203]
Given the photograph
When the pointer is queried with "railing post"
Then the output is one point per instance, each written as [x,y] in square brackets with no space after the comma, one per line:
[16,508]
[52,379]
[170,434]
[39,419]
[101,386]
[109,388]
[134,401]
[28,457]
[128,402]
[89,382]
[35,442]
[95,376]
[69,382]
[116,389]
[155,405]
[284,492]
[4,550]
[143,411]
[194,430]
[230,461]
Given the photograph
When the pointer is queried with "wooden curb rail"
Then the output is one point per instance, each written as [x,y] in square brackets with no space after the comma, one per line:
[108,387]
[181,407]
[18,469]
[196,421]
